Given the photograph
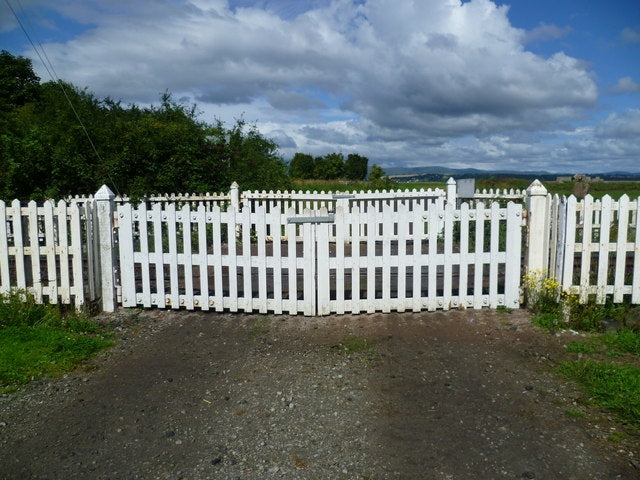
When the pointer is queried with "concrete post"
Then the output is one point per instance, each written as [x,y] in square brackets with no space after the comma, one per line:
[537,258]
[235,196]
[105,207]
[451,191]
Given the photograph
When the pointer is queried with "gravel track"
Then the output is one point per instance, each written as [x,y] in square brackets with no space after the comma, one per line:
[444,395]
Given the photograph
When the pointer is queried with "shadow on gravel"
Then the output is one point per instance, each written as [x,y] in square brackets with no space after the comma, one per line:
[463,395]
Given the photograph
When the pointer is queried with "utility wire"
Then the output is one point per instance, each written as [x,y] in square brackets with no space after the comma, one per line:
[55,79]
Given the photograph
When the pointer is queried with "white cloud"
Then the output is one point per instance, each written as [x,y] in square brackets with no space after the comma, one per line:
[626,85]
[544,32]
[630,35]
[396,80]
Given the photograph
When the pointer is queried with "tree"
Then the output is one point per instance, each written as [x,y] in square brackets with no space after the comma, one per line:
[301,166]
[377,173]
[46,153]
[18,82]
[355,167]
[329,167]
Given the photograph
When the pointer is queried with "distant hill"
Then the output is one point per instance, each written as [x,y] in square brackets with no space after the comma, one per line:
[438,173]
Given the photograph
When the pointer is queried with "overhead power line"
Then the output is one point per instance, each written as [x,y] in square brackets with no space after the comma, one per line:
[48,65]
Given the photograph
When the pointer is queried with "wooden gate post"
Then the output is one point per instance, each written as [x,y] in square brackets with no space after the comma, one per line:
[105,208]
[537,259]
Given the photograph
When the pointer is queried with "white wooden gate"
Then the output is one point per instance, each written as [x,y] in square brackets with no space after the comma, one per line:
[379,255]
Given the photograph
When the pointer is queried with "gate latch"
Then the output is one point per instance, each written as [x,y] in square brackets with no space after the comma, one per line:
[318,219]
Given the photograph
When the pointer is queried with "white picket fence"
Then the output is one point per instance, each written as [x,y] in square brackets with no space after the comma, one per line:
[44,249]
[597,247]
[318,253]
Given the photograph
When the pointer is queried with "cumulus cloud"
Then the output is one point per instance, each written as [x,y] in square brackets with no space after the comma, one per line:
[399,81]
[625,125]
[626,85]
[544,32]
[630,35]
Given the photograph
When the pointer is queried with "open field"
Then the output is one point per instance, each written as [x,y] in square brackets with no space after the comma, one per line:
[596,189]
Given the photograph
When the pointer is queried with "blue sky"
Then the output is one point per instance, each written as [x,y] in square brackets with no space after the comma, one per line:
[518,85]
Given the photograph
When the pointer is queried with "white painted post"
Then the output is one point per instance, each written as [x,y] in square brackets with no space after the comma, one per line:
[105,207]
[538,228]
[451,191]
[234,195]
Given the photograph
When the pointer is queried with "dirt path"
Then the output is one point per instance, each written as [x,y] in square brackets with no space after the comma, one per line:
[456,395]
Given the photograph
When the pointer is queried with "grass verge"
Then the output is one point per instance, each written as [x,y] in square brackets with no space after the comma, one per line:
[612,386]
[43,340]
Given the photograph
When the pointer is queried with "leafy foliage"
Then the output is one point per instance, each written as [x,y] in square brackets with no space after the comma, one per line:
[355,167]
[45,153]
[328,167]
[302,166]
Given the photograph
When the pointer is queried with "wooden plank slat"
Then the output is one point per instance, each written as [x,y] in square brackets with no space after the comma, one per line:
[322,265]
[292,263]
[388,223]
[494,255]
[21,280]
[513,255]
[403,236]
[186,299]
[587,235]
[465,259]
[76,259]
[50,251]
[158,245]
[478,274]
[370,258]
[621,249]
[125,243]
[171,256]
[5,278]
[356,230]
[141,217]
[569,242]
[603,249]
[448,257]
[232,255]
[276,235]
[204,218]
[340,240]
[245,259]
[63,248]
[34,250]
[635,288]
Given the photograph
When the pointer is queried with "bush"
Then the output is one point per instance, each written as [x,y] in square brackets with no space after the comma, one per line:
[555,309]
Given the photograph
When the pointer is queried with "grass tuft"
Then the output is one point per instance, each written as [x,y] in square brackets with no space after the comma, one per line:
[353,344]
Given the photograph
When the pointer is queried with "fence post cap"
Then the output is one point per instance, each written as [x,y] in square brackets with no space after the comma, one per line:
[451,181]
[234,185]
[536,188]
[104,193]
